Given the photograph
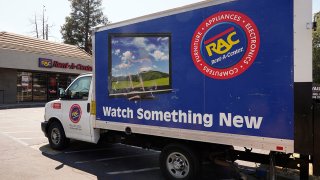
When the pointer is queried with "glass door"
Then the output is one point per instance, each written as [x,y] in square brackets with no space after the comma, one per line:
[39,87]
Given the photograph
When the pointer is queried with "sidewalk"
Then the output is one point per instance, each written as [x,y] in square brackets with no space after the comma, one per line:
[22,105]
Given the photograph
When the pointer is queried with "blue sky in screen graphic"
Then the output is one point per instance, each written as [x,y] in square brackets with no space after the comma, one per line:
[132,55]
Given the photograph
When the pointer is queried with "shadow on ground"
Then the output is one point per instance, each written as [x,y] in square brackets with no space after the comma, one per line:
[117,161]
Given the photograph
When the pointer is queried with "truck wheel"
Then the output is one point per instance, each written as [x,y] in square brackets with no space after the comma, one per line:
[57,137]
[179,162]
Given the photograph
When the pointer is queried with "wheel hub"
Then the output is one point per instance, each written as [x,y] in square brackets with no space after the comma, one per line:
[55,136]
[178,165]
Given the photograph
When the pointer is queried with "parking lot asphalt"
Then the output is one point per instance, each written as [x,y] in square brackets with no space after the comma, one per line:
[25,154]
[20,134]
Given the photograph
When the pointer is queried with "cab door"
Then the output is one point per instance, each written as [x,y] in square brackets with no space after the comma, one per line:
[76,109]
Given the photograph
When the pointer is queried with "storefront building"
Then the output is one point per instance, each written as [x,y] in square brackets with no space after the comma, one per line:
[33,70]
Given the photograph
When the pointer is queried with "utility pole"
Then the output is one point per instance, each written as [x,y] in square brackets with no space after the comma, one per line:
[47,31]
[44,25]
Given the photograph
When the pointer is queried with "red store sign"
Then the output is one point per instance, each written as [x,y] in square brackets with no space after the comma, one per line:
[49,63]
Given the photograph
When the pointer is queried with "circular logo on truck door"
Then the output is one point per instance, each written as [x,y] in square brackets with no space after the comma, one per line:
[225,45]
[75,113]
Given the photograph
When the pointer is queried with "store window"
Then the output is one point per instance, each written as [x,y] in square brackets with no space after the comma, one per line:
[56,81]
[24,86]
[36,86]
[52,86]
[39,87]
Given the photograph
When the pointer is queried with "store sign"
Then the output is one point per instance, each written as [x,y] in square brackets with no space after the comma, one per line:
[24,80]
[45,63]
[316,92]
[49,63]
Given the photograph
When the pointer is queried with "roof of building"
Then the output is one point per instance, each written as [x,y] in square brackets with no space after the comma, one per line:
[28,44]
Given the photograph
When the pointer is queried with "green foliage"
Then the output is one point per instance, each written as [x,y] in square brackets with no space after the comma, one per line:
[150,79]
[316,50]
[146,76]
[84,15]
[151,75]
[150,83]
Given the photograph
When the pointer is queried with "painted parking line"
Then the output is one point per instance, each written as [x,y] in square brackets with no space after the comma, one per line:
[136,147]
[92,150]
[15,139]
[15,132]
[133,171]
[114,158]
[15,127]
[31,138]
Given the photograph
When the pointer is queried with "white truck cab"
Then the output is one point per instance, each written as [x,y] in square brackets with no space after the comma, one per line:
[69,117]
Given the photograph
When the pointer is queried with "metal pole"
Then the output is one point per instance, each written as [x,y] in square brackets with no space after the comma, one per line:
[272,173]
[304,167]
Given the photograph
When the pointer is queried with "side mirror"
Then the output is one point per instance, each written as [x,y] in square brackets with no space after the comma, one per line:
[62,93]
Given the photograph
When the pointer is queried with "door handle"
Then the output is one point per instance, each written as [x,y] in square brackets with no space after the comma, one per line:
[88,107]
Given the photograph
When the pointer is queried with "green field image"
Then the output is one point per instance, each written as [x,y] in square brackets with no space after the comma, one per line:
[150,79]
[151,83]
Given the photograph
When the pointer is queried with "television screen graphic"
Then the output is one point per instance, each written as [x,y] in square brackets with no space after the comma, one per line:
[139,64]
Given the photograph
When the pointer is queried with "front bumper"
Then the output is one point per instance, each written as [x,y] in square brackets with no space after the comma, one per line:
[44,128]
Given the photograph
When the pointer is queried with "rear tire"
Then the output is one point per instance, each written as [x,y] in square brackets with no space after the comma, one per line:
[178,161]
[57,137]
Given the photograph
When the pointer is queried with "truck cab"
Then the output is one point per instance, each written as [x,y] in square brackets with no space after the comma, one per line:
[69,116]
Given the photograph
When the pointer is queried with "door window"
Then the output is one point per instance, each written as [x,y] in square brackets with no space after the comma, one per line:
[79,89]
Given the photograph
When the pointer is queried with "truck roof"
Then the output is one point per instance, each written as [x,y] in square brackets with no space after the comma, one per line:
[169,12]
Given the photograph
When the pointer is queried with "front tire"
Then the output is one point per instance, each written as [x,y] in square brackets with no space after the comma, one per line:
[178,161]
[57,137]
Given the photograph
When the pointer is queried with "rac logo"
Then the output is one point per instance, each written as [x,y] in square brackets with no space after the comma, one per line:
[225,45]
[75,113]
[45,63]
[221,46]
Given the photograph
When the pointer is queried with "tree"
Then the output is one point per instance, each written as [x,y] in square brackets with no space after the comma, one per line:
[84,15]
[316,50]
[34,22]
[44,34]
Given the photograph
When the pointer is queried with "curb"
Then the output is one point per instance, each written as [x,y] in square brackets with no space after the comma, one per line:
[16,106]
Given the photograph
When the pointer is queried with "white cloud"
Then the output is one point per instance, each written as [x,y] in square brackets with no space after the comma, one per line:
[143,69]
[142,42]
[123,66]
[150,47]
[160,56]
[139,41]
[117,52]
[115,42]
[126,56]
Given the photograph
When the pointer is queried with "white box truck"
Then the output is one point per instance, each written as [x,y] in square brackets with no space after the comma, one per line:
[195,81]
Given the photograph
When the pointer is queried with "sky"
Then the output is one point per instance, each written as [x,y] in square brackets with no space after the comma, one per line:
[132,55]
[17,16]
